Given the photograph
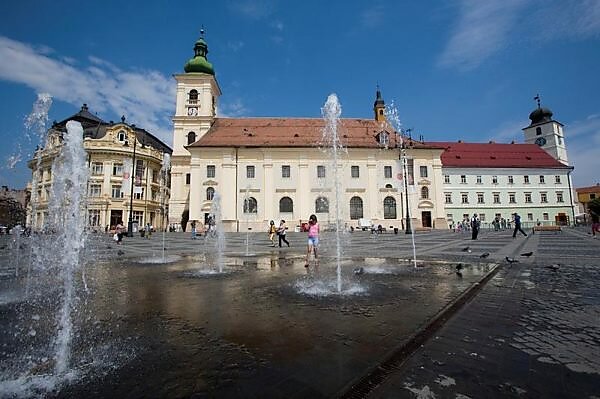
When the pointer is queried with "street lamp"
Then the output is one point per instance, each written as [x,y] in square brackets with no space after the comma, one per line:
[132,177]
[408,227]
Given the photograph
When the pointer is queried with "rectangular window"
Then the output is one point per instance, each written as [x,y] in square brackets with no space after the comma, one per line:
[557,179]
[94,217]
[494,179]
[48,174]
[286,171]
[545,216]
[321,171]
[410,168]
[499,216]
[447,179]
[354,171]
[479,180]
[138,216]
[250,172]
[530,216]
[463,179]
[95,190]
[116,192]
[387,172]
[510,180]
[559,196]
[512,198]
[140,194]
[528,198]
[448,198]
[496,198]
[117,169]
[464,198]
[542,179]
[423,171]
[480,198]
[154,195]
[449,216]
[211,171]
[526,179]
[482,217]
[188,178]
[543,197]
[592,196]
[97,168]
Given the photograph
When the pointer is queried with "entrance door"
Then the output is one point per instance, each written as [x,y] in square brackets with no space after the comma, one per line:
[562,219]
[115,217]
[426,218]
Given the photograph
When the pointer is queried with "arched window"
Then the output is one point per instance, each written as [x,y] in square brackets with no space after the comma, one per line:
[191,136]
[193,99]
[250,205]
[538,131]
[356,208]
[286,205]
[210,194]
[389,208]
[388,186]
[424,193]
[321,205]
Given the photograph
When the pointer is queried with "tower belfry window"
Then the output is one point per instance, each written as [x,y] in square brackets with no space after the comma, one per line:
[538,131]
[193,97]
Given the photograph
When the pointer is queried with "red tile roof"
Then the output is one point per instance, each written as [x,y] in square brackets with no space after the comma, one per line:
[293,132]
[590,189]
[494,155]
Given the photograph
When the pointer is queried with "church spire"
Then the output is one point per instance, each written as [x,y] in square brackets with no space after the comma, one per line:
[379,106]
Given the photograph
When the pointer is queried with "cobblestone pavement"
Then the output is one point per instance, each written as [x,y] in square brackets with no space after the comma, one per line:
[532,332]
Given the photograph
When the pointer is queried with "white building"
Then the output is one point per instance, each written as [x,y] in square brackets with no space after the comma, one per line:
[275,168]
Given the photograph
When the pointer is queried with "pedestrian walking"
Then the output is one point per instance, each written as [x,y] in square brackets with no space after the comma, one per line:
[281,233]
[517,220]
[193,225]
[119,232]
[313,238]
[272,231]
[475,223]
[148,229]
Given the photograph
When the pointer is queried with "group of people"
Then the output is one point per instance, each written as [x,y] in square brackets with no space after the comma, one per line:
[210,229]
[313,236]
[474,224]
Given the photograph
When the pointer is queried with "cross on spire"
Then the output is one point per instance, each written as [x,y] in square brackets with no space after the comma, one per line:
[537,98]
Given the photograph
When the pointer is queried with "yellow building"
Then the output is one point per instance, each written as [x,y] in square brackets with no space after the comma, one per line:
[587,194]
[113,149]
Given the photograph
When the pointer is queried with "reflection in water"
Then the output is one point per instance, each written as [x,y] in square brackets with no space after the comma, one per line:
[153,331]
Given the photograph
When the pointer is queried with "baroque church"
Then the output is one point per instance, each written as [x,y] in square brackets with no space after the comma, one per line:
[262,169]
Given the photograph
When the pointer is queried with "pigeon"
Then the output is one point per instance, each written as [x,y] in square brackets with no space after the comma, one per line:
[119,252]
[554,267]
[528,254]
[466,249]
[511,260]
[359,270]
[459,267]
[484,255]
[108,247]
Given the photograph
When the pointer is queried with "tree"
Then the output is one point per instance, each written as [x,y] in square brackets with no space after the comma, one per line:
[594,209]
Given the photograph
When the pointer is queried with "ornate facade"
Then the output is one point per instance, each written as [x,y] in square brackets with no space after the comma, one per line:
[113,149]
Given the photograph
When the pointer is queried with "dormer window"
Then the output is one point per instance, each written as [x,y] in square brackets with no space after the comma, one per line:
[383,138]
[193,98]
[122,136]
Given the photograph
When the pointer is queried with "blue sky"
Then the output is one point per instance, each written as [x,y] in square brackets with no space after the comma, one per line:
[463,69]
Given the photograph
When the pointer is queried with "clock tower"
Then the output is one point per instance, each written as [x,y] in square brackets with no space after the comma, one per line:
[546,132]
[195,109]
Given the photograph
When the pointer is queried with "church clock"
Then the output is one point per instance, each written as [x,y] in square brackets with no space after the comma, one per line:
[540,141]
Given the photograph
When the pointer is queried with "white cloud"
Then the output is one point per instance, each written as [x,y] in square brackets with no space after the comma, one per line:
[583,140]
[482,29]
[253,9]
[508,132]
[232,109]
[373,16]
[235,46]
[146,97]
[277,25]
[486,27]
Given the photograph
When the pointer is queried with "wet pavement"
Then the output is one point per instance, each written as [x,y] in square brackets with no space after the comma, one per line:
[269,328]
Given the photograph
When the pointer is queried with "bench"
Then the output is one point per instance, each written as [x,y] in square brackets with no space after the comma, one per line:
[555,229]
